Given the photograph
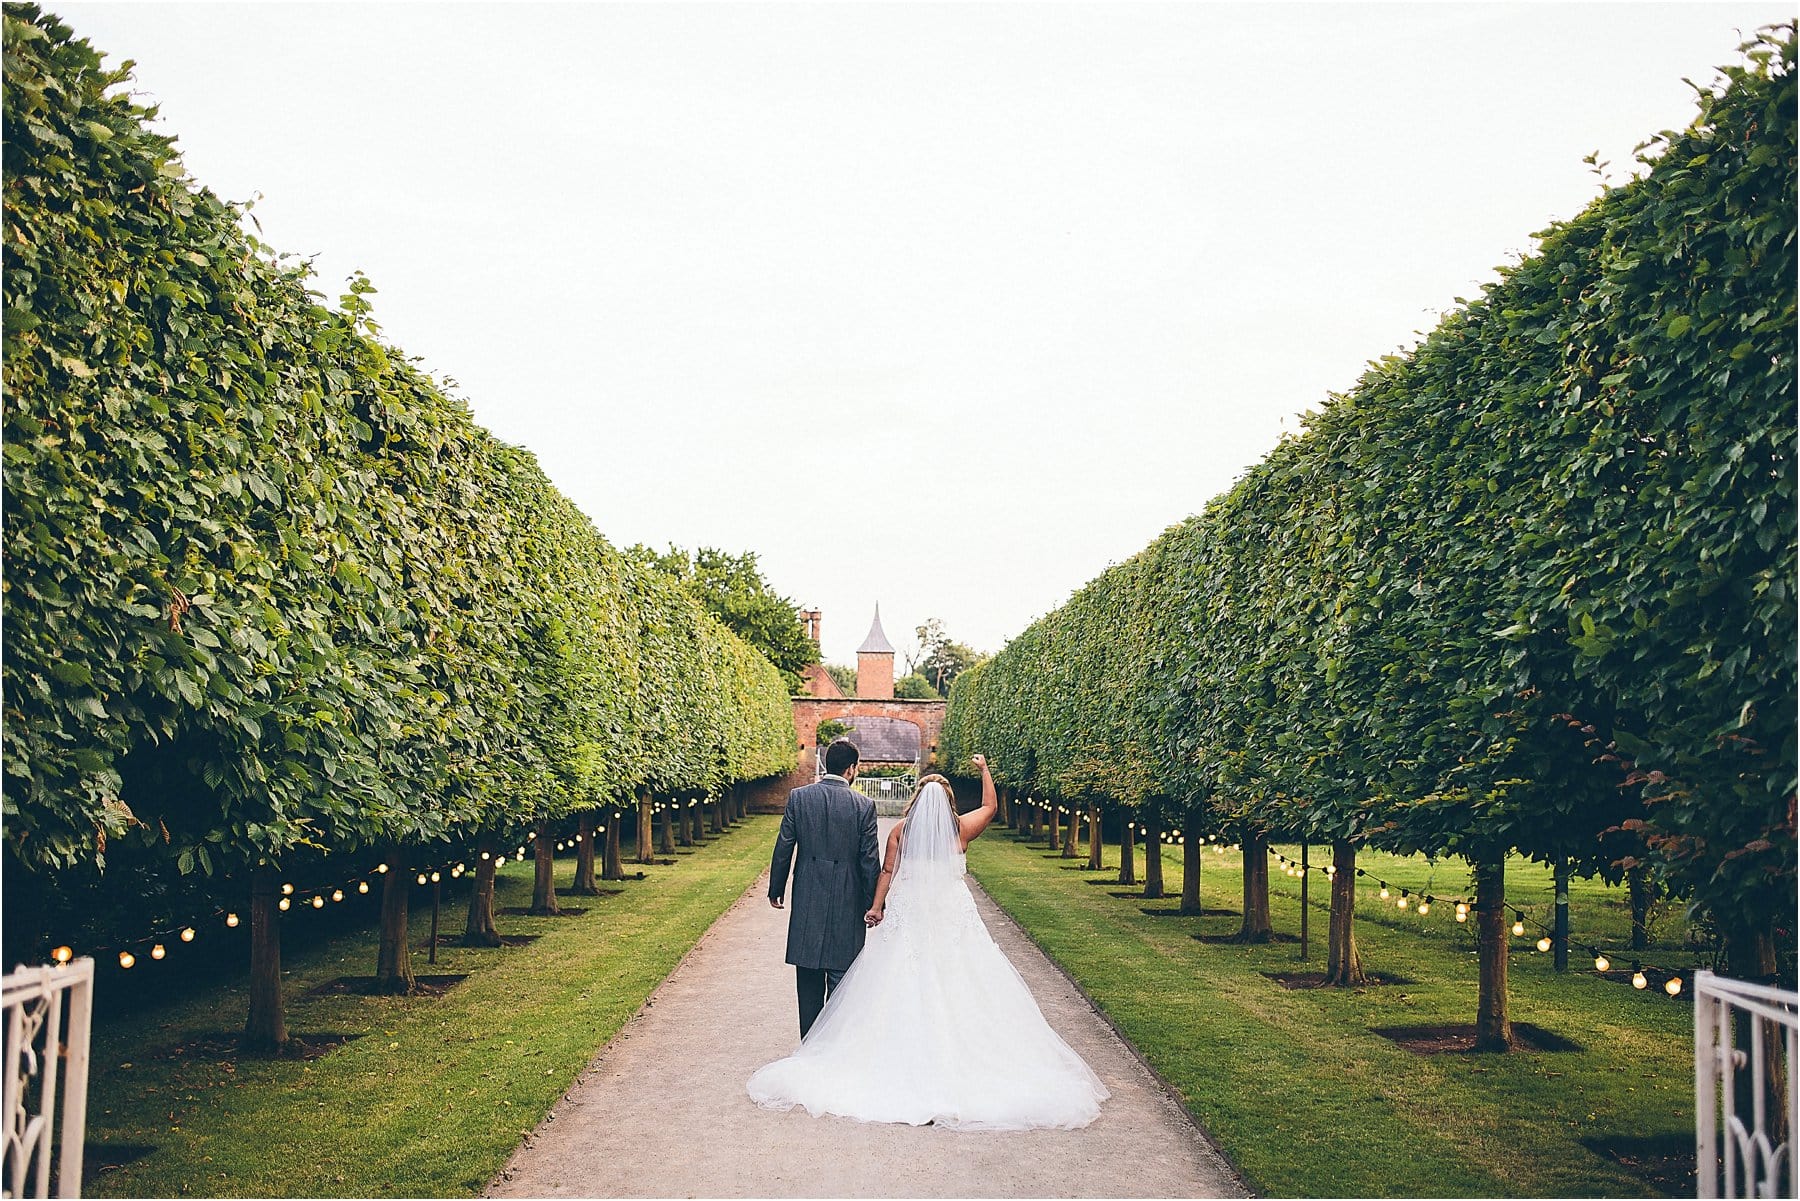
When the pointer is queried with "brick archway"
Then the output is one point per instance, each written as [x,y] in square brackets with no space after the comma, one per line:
[770,796]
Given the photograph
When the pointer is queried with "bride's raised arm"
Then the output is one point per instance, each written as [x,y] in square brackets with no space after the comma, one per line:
[972,824]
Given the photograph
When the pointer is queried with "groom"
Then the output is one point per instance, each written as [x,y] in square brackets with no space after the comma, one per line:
[831,827]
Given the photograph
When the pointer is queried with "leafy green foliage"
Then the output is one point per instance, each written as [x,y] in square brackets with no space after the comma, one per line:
[942,658]
[843,677]
[915,687]
[1527,586]
[732,589]
[268,587]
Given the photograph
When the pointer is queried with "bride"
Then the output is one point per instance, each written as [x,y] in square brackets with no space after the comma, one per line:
[932,1023]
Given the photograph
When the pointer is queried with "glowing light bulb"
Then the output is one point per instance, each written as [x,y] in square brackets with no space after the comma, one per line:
[157,951]
[287,890]
[1462,915]
[337,894]
[1543,944]
[435,877]
[284,904]
[1639,980]
[1462,909]
[1403,902]
[485,855]
[362,886]
[1384,892]
[318,902]
[421,877]
[231,919]
[1331,869]
[1518,929]
[1424,908]
[187,934]
[1673,986]
[601,830]
[126,959]
[382,868]
[1601,963]
[63,954]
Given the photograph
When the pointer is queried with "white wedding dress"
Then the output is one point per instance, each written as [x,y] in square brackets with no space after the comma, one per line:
[932,1023]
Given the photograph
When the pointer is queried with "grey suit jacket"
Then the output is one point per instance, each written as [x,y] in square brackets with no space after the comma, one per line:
[829,828]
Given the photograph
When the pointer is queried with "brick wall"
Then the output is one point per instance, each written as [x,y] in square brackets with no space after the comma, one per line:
[770,796]
[875,674]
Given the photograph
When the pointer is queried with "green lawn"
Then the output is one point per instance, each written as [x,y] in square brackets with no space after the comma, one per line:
[1297,1089]
[436,1093]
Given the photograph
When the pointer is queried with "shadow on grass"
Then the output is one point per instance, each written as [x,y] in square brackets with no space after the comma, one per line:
[1664,1161]
[221,1046]
[366,986]
[1459,1039]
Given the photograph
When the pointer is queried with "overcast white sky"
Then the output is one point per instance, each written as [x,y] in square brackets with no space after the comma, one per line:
[942,306]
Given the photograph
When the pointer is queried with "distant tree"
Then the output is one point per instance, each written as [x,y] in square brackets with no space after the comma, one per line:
[915,687]
[844,676]
[732,588]
[940,659]
[829,729]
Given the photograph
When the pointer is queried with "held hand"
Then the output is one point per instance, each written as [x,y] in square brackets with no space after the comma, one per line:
[775,902]
[872,917]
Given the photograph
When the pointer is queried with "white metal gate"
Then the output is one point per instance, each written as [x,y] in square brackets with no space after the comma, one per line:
[1739,1026]
[49,1017]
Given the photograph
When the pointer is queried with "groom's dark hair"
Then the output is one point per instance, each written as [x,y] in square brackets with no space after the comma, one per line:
[841,755]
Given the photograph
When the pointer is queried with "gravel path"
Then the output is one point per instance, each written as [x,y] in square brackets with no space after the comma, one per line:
[661,1111]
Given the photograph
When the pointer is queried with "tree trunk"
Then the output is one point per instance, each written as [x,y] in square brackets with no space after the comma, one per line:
[1751,955]
[480,930]
[646,817]
[1006,814]
[715,819]
[393,963]
[1256,926]
[1096,844]
[683,822]
[1493,1027]
[1055,826]
[665,838]
[1153,860]
[1127,849]
[613,867]
[696,813]
[1192,846]
[584,858]
[543,886]
[1642,894]
[1561,937]
[1343,962]
[1072,835]
[1031,821]
[266,1027]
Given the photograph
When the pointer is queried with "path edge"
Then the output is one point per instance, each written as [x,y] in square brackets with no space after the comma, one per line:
[1169,1090]
[499,1177]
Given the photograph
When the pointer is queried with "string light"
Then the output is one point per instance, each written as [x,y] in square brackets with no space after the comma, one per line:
[284,904]
[187,934]
[1639,980]
[362,886]
[382,868]
[1673,985]
[231,919]
[1424,908]
[1384,892]
[337,894]
[485,855]
[318,902]
[1601,963]
[1462,913]
[158,951]
[287,890]
[421,877]
[1518,929]
[63,954]
[1543,944]
[126,959]
[435,877]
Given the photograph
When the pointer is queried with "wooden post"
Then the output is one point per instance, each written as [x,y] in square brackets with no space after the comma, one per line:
[1305,909]
[437,897]
[1561,938]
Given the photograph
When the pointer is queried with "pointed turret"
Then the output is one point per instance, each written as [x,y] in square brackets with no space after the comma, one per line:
[875,663]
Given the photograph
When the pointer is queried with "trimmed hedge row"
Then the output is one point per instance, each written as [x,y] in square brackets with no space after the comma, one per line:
[269,589]
[1529,585]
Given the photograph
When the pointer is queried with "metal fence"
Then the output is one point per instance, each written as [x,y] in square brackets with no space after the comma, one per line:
[1746,1043]
[49,1018]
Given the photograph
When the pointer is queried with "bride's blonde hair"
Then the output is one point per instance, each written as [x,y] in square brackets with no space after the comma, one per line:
[933,778]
